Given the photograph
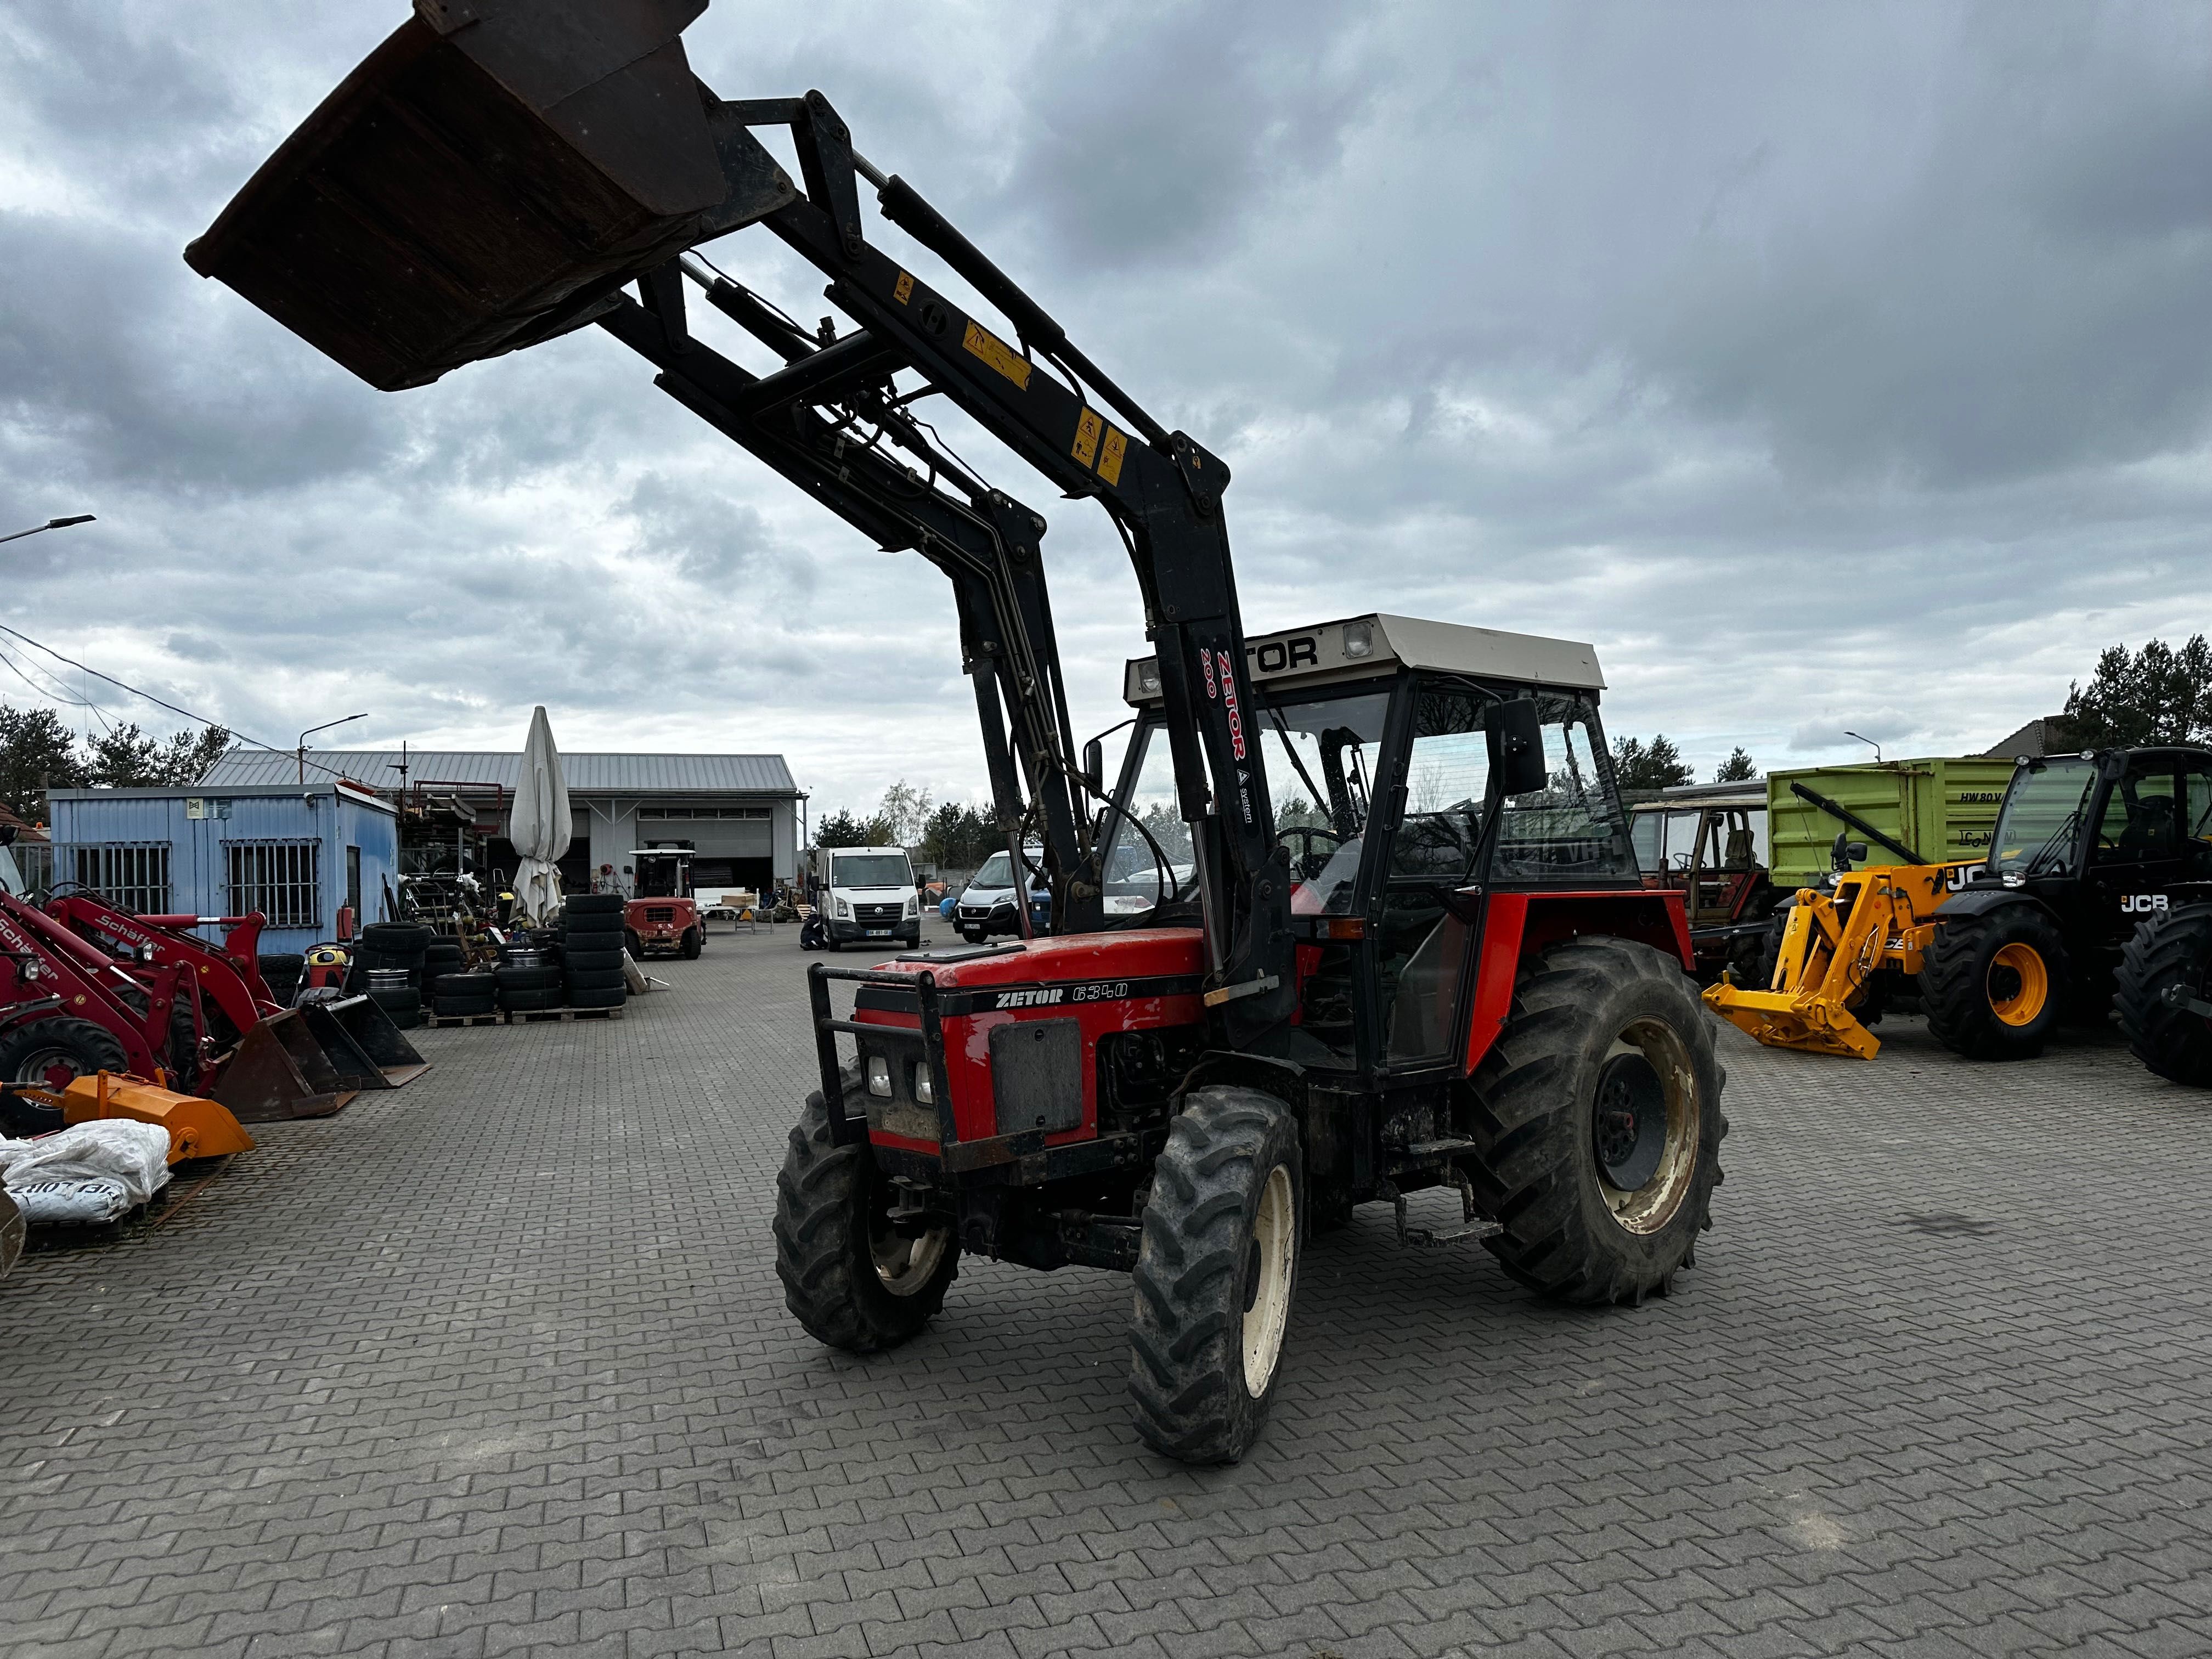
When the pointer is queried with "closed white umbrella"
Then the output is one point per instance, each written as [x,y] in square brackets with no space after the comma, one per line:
[539,825]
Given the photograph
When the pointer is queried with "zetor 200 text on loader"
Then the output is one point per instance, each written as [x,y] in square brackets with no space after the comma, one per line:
[1361,916]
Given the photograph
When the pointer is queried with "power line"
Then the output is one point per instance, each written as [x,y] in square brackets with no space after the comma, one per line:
[160,703]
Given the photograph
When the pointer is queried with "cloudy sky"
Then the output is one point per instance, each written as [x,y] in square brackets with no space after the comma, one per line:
[1827,367]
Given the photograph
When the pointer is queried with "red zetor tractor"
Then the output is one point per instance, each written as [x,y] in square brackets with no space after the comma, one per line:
[663,917]
[1361,916]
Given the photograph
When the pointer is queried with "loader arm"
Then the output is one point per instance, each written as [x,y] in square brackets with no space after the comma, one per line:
[492,176]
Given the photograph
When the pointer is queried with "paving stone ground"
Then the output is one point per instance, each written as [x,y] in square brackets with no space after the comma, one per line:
[499,1363]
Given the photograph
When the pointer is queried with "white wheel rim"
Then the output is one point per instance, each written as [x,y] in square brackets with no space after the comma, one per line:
[1274,1229]
[904,1265]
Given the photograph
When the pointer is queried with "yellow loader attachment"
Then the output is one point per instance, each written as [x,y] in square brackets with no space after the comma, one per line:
[1879,918]
[198,1128]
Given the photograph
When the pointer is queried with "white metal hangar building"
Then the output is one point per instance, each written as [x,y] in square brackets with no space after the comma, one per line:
[738,813]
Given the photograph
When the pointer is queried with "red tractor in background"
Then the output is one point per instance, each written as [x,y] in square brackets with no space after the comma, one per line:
[662,916]
[1361,916]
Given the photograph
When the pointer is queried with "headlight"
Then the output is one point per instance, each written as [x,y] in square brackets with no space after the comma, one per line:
[913,906]
[925,1090]
[879,1076]
[844,911]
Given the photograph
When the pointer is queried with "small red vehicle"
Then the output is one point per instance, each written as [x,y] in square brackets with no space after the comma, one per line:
[663,916]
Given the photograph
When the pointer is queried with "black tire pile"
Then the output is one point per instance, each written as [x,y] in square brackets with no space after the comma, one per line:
[456,993]
[405,945]
[282,973]
[592,950]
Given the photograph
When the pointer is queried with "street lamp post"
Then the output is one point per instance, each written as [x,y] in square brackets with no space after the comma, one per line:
[311,732]
[51,524]
[1870,744]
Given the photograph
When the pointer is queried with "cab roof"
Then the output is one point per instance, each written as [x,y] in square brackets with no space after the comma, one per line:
[1362,648]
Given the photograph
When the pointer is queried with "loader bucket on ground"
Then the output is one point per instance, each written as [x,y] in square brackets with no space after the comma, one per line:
[360,1026]
[281,1071]
[484,180]
[198,1128]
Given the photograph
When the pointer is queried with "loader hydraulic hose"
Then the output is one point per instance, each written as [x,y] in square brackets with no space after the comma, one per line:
[1852,820]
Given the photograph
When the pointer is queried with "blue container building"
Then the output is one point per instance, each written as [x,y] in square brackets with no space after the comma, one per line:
[298,854]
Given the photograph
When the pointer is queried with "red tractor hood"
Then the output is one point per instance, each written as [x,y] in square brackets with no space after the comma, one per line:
[1081,958]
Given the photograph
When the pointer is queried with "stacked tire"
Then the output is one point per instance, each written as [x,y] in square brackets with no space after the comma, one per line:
[402,946]
[454,992]
[592,951]
[281,974]
[528,977]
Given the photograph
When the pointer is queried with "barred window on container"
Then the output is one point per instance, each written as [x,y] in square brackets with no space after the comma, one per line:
[281,879]
[133,875]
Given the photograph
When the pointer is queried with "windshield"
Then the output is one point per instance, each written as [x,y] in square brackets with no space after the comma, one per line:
[1156,853]
[1320,755]
[998,870]
[2041,820]
[871,870]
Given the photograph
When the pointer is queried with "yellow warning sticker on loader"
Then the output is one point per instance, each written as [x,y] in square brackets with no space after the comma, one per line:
[1086,436]
[996,352]
[1109,454]
[903,289]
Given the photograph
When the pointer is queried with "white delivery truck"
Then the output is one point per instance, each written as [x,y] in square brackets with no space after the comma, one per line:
[860,895]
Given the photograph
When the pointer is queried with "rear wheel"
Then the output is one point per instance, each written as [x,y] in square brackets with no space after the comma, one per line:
[1993,981]
[1598,1124]
[48,1053]
[851,1278]
[694,942]
[1216,1274]
[2173,949]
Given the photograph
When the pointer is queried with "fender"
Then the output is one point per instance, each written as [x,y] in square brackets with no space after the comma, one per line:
[1515,926]
[1980,901]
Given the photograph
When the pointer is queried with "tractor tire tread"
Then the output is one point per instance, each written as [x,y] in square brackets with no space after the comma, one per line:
[1954,980]
[2174,947]
[816,1191]
[1532,1131]
[1184,1334]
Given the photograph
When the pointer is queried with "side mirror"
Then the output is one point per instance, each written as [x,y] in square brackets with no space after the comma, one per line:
[1094,767]
[1517,746]
[7,834]
[1845,853]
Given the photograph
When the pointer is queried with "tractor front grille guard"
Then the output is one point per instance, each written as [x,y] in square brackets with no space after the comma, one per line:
[1021,1158]
[922,987]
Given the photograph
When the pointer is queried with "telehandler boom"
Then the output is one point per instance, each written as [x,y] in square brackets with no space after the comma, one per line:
[1430,963]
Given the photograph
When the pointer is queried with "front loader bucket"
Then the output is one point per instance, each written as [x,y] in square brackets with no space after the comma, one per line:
[485,180]
[376,1055]
[281,1071]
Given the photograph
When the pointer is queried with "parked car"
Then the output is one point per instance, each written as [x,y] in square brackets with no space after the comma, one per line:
[987,906]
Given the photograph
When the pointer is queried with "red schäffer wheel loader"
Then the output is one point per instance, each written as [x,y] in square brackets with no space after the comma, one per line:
[1360,917]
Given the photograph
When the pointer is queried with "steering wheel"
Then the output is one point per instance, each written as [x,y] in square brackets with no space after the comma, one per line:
[1306,862]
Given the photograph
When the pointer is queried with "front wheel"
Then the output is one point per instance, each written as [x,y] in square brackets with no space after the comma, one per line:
[2171,950]
[47,1054]
[1993,981]
[1597,1124]
[1217,1271]
[852,1280]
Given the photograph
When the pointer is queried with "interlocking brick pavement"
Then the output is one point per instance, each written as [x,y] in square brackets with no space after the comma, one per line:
[499,1363]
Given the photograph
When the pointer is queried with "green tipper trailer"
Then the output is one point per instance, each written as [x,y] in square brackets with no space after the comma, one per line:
[1945,808]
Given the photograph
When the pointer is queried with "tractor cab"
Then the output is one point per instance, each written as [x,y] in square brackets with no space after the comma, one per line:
[1380,737]
[661,915]
[2105,839]
[1708,842]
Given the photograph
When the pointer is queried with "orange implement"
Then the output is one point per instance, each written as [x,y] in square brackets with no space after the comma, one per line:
[198,1128]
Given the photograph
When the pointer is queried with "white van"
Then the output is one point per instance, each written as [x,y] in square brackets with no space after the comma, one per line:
[861,894]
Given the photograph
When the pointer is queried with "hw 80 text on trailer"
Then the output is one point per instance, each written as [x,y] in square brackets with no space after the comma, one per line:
[1361,914]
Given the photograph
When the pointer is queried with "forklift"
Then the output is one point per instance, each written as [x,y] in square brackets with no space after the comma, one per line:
[1358,921]
[661,914]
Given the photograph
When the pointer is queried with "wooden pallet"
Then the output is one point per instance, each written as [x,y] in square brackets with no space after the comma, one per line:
[534,1016]
[493,1019]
